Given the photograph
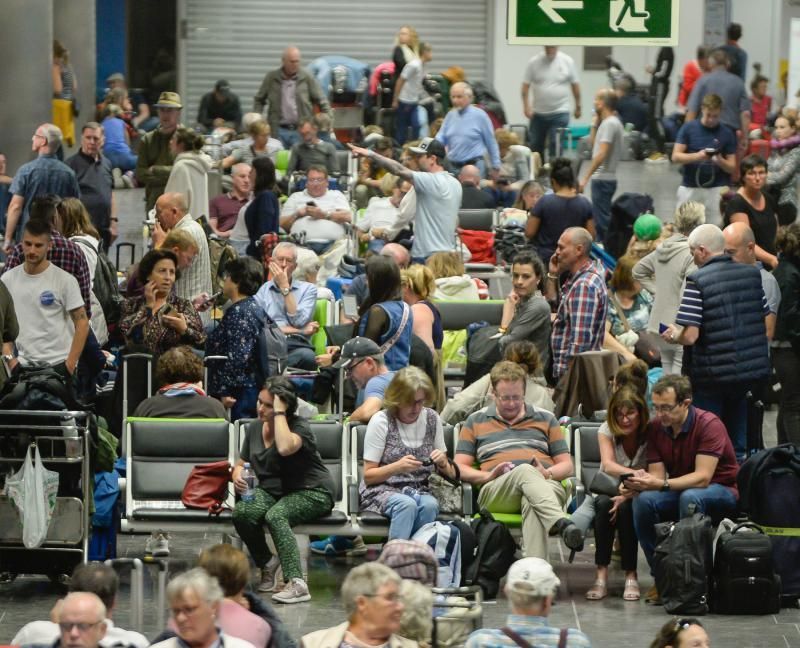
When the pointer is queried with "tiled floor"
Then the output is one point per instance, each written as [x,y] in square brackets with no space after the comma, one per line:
[610,623]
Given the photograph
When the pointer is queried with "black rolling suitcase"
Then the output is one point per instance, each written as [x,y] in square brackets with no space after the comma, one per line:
[744,579]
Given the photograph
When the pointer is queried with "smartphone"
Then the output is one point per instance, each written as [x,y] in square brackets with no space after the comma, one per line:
[213,298]
[662,327]
[710,152]
[427,461]
[311,203]
[167,310]
[350,306]
[625,476]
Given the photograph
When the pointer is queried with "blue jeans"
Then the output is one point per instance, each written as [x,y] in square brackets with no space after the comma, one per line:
[544,126]
[602,193]
[288,136]
[730,404]
[407,516]
[245,405]
[121,160]
[406,116]
[652,507]
[455,167]
[376,245]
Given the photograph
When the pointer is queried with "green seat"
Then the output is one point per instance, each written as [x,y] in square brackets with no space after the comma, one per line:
[282,161]
[320,340]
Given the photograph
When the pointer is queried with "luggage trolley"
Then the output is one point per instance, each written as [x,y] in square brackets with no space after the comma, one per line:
[63,442]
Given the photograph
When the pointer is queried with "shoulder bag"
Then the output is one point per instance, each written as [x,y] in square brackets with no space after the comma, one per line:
[207,487]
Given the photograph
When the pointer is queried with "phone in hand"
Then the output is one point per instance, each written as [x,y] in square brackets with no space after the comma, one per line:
[427,461]
[212,298]
[662,327]
[710,151]
[168,310]
[311,203]
[624,477]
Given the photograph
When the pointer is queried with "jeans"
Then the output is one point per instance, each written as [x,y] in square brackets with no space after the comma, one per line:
[602,193]
[406,116]
[301,353]
[455,167]
[288,136]
[543,127]
[787,366]
[319,247]
[407,515]
[121,160]
[652,507]
[730,404]
[245,405]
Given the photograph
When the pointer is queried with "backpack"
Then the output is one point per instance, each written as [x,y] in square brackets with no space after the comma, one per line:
[624,212]
[272,350]
[105,286]
[445,541]
[411,560]
[220,252]
[682,564]
[744,579]
[495,554]
[771,471]
[469,546]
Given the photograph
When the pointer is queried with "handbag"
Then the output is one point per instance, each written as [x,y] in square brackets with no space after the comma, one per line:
[647,347]
[604,484]
[447,491]
[207,487]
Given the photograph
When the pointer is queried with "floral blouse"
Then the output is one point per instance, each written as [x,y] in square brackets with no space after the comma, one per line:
[143,328]
[235,337]
[638,315]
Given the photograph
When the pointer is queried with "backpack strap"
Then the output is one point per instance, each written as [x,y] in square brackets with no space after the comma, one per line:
[517,638]
[403,322]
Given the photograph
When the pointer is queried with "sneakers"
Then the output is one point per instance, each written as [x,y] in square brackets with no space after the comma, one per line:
[294,592]
[157,545]
[339,546]
[128,180]
[570,533]
[271,576]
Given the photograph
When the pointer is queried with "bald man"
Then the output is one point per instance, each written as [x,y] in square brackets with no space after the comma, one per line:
[472,196]
[740,244]
[292,93]
[580,321]
[82,620]
[358,286]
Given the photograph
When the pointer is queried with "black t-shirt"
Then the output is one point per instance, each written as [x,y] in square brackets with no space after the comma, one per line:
[474,198]
[557,213]
[96,182]
[763,223]
[279,475]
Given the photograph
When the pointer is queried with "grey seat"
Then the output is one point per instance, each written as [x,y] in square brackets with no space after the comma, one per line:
[587,452]
[457,315]
[476,219]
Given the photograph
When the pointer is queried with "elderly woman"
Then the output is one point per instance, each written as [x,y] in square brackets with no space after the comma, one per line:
[294,486]
[371,599]
[234,380]
[231,568]
[159,319]
[623,447]
[194,600]
[404,444]
[663,272]
[479,394]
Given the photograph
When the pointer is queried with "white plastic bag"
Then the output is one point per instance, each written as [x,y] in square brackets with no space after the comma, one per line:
[33,489]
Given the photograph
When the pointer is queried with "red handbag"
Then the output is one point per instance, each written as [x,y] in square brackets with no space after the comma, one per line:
[207,487]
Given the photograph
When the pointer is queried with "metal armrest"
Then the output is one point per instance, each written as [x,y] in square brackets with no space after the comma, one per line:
[467,502]
[352,498]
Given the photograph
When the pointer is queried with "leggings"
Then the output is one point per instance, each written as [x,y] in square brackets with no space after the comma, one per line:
[280,515]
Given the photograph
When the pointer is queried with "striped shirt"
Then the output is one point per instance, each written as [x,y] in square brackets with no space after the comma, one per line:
[690,312]
[492,440]
[533,629]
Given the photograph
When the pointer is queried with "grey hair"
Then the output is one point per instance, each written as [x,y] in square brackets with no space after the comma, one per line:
[99,607]
[521,600]
[54,136]
[466,87]
[365,580]
[285,245]
[580,236]
[709,236]
[306,265]
[689,216]
[241,165]
[417,620]
[248,119]
[198,581]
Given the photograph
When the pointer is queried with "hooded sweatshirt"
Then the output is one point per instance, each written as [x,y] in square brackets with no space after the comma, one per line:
[189,176]
[456,288]
[663,274]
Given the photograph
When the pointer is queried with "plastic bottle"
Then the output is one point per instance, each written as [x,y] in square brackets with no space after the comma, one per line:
[72,439]
[249,477]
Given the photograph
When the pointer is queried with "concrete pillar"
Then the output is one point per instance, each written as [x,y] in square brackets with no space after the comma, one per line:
[74,26]
[26,37]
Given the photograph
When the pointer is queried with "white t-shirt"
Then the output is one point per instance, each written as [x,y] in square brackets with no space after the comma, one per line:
[551,82]
[413,73]
[380,213]
[411,434]
[43,302]
[317,229]
[438,202]
[239,229]
[638,461]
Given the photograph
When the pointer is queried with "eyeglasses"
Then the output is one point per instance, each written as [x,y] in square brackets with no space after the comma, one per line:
[392,598]
[186,611]
[316,180]
[66,626]
[665,409]
[509,399]
[352,367]
[626,416]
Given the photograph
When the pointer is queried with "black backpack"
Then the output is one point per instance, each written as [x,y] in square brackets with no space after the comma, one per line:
[624,212]
[469,547]
[105,286]
[495,554]
[682,564]
[744,579]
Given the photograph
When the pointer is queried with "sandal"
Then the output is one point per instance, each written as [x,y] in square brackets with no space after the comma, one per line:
[631,592]
[598,591]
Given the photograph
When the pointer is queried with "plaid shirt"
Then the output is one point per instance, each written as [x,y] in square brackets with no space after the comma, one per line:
[66,255]
[581,317]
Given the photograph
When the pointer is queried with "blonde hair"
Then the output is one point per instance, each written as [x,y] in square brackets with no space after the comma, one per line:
[75,219]
[181,239]
[258,128]
[403,389]
[688,216]
[419,280]
[505,138]
[445,264]
[388,183]
[413,41]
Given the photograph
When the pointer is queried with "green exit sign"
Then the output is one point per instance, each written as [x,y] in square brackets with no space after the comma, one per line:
[593,22]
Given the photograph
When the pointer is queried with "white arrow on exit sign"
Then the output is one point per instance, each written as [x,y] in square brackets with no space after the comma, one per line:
[549,8]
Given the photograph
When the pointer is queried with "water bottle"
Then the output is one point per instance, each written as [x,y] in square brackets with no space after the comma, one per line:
[249,477]
[72,439]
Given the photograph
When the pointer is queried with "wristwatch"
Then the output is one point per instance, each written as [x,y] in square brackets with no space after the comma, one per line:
[285,291]
[8,357]
[665,485]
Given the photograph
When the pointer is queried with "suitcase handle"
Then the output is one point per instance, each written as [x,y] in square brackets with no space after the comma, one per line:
[747,525]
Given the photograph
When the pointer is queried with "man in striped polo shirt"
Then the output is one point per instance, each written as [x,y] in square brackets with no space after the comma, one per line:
[522,460]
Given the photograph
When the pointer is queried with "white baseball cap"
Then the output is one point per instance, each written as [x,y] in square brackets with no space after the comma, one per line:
[532,576]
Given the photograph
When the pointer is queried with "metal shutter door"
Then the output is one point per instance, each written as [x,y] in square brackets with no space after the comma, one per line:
[241,40]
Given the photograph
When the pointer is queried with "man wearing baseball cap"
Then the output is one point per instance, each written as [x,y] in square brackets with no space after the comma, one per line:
[155,158]
[220,107]
[531,587]
[438,197]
